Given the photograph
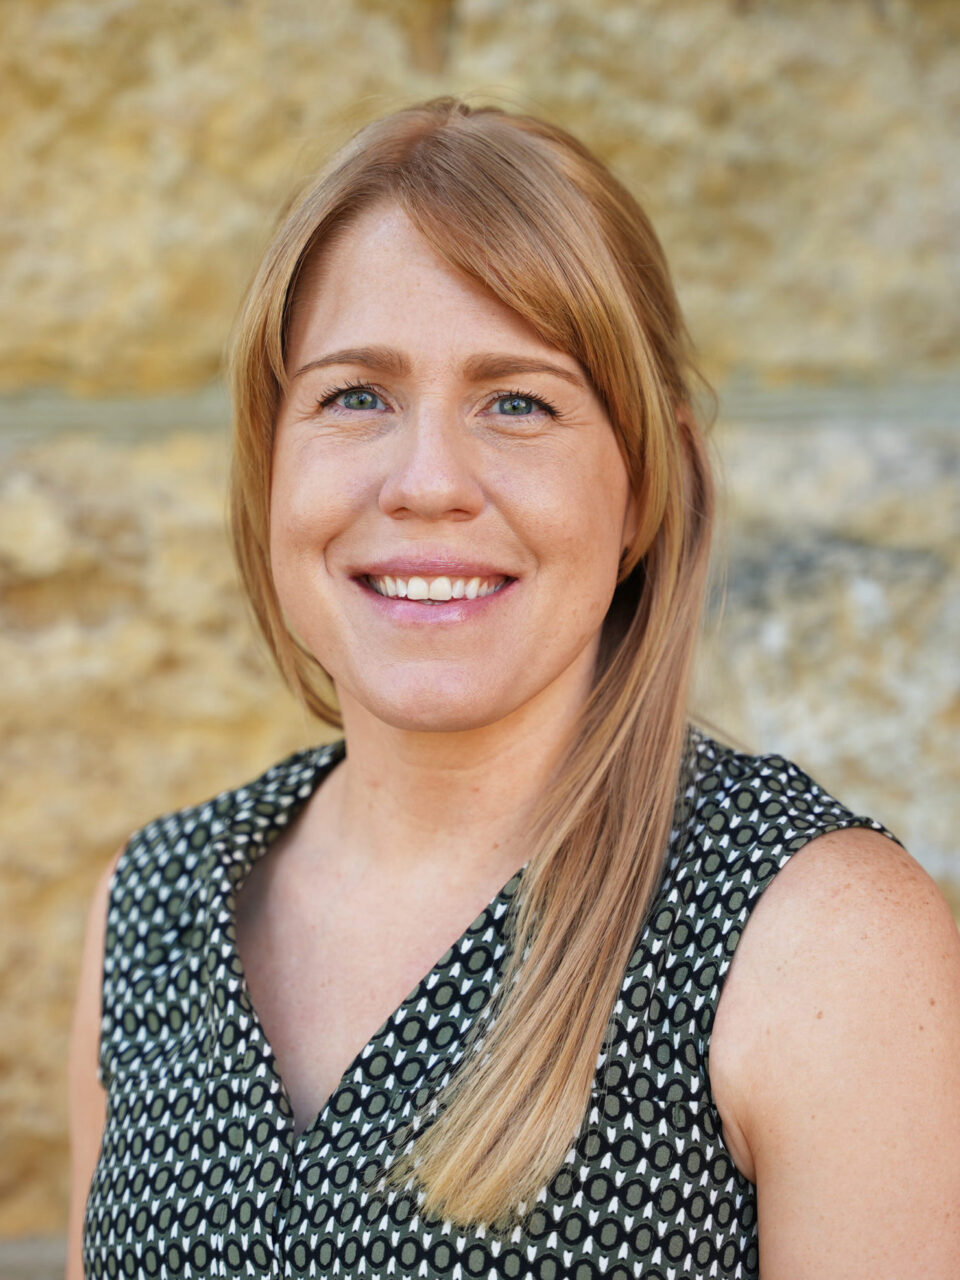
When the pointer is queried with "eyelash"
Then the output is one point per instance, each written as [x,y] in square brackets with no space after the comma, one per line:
[329,394]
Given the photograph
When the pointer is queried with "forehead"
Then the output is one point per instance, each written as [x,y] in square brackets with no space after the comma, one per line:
[378,280]
[383,231]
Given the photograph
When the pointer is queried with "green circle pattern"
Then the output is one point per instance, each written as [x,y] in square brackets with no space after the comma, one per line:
[200,1175]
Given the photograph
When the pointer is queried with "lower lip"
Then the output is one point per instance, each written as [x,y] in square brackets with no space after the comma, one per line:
[418,613]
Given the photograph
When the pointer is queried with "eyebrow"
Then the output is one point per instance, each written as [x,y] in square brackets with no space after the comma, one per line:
[478,368]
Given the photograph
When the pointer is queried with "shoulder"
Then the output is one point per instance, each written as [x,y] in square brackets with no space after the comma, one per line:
[168,849]
[170,867]
[850,903]
[842,1074]
[742,818]
[168,887]
[86,1101]
[736,799]
[85,1029]
[845,880]
[849,969]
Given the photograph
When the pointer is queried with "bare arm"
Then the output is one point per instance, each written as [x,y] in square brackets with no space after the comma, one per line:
[848,1091]
[87,1101]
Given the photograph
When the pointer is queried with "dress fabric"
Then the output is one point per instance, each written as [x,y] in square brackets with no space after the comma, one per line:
[200,1174]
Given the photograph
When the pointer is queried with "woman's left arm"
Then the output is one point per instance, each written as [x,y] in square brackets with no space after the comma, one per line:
[849,1098]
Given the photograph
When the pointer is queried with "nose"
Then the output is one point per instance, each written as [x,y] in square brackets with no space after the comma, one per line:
[432,471]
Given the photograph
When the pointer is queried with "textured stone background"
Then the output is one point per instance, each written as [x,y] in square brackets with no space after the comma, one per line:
[796,156]
[799,161]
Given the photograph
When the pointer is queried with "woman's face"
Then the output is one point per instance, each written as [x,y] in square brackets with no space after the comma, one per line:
[415,442]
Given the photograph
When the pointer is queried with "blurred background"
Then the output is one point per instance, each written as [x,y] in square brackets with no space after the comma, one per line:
[799,159]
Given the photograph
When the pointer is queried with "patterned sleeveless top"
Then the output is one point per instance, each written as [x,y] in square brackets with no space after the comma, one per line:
[200,1173]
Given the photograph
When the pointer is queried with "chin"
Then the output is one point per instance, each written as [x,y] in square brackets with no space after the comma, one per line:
[435,710]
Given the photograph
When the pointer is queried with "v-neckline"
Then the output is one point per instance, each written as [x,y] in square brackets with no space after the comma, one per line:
[308,769]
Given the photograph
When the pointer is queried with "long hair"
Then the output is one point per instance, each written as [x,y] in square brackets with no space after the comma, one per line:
[521,206]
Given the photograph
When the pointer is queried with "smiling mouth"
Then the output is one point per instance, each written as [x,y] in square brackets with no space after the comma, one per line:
[456,608]
[436,590]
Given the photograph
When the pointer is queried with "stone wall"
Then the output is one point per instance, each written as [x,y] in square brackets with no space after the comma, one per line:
[131,682]
[796,159]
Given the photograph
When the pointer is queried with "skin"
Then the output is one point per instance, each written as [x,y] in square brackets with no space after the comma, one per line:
[835,1055]
[835,1064]
[457,725]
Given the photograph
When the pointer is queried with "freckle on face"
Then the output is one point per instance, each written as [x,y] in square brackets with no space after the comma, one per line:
[431,464]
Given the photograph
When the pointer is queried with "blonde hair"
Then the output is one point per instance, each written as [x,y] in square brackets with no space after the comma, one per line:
[523,207]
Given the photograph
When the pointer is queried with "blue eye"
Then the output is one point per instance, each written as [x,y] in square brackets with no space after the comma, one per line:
[519,405]
[362,397]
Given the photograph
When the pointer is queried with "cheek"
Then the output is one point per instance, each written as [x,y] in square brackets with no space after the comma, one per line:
[590,534]
[288,529]
[577,509]
[301,526]
[311,499]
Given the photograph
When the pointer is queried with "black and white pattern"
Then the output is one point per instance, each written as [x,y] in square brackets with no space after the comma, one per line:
[200,1174]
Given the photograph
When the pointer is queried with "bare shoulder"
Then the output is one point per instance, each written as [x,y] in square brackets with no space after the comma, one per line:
[844,872]
[87,1102]
[836,1063]
[847,902]
[84,1032]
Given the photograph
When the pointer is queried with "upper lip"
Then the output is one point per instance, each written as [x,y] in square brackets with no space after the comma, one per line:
[434,566]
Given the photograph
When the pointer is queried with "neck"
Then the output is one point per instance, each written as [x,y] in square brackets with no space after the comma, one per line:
[407,803]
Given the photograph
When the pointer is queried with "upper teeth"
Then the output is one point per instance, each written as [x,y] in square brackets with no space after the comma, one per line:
[436,588]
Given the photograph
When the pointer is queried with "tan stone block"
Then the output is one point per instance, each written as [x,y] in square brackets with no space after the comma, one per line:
[795,159]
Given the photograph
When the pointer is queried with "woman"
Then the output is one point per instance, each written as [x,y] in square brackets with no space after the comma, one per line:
[472,498]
